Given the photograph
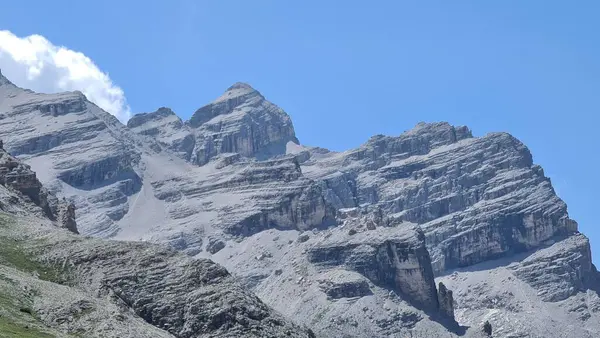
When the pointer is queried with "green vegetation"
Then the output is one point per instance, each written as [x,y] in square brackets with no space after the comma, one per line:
[17,317]
[10,329]
[15,253]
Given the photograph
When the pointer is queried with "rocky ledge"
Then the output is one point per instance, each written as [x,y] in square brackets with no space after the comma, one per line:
[72,285]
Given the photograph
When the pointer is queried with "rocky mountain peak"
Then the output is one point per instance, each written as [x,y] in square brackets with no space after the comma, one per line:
[240,91]
[241,87]
[164,126]
[4,80]
[237,96]
[440,132]
[164,111]
[240,121]
[142,118]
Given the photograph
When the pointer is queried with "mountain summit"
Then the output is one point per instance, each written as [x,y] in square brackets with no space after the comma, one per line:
[4,81]
[240,121]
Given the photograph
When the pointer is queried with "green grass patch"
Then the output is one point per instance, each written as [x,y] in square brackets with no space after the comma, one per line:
[8,328]
[19,253]
[17,319]
[13,253]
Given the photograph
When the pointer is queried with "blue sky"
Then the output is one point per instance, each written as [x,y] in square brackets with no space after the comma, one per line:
[346,72]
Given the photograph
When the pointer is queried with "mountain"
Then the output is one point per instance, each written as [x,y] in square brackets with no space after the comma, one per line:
[429,233]
[240,121]
[56,283]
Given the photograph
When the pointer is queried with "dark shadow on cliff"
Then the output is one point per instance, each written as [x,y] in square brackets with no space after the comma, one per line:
[588,278]
[502,260]
[449,323]
[593,284]
[488,265]
[131,182]
[433,314]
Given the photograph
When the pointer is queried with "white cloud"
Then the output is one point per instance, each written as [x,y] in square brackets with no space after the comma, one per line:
[34,63]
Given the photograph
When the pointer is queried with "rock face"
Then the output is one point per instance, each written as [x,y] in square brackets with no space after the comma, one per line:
[560,270]
[152,290]
[390,257]
[167,128]
[66,216]
[183,296]
[446,300]
[338,284]
[342,236]
[475,198]
[78,150]
[19,177]
[241,121]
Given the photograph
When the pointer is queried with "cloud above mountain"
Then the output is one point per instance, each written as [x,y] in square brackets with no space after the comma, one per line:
[35,63]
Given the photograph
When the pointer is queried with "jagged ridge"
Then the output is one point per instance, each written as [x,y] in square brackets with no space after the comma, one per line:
[236,180]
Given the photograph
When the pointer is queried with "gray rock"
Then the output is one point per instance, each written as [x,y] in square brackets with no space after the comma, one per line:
[235,172]
[561,270]
[78,149]
[446,301]
[19,177]
[240,121]
[183,296]
[344,284]
[475,198]
[395,258]
[214,245]
[303,238]
[66,216]
[174,295]
[167,128]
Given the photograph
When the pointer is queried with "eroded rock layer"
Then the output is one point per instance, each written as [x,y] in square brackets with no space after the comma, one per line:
[355,241]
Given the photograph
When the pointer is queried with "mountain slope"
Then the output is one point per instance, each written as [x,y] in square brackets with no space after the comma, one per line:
[56,283]
[79,150]
[351,243]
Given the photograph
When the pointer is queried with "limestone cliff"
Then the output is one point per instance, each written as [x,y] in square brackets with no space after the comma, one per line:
[356,241]
[56,283]
[240,121]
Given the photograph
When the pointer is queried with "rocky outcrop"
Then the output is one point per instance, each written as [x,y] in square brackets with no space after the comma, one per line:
[17,176]
[232,201]
[344,284]
[186,297]
[66,216]
[214,245]
[78,150]
[119,289]
[445,300]
[395,258]
[106,171]
[475,198]
[561,270]
[240,121]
